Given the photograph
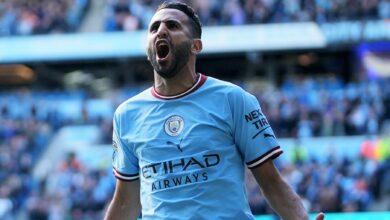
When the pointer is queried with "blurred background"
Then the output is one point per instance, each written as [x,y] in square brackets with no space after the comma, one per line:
[320,69]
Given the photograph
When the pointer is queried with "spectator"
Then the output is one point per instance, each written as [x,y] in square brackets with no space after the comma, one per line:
[22,17]
[27,17]
[74,191]
[236,12]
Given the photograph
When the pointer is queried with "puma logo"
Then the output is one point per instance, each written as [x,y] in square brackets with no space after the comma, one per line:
[176,145]
[268,135]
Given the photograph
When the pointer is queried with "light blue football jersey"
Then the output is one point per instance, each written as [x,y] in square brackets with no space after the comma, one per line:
[190,150]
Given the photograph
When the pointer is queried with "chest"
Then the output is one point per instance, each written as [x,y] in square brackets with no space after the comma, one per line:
[176,130]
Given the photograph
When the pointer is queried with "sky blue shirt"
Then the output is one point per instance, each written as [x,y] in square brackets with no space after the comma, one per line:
[190,150]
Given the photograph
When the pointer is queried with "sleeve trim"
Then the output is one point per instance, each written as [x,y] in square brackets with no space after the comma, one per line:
[126,180]
[125,177]
[271,154]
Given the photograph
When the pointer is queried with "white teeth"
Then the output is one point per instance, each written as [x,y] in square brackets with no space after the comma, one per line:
[161,44]
[162,49]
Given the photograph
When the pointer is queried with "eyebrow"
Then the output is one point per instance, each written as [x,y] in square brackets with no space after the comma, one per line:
[165,21]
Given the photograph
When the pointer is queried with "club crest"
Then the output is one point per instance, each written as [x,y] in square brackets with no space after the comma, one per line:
[174,125]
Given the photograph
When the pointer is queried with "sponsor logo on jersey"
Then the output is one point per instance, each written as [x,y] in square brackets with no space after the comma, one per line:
[269,135]
[180,171]
[180,165]
[174,125]
[176,145]
[258,120]
[173,182]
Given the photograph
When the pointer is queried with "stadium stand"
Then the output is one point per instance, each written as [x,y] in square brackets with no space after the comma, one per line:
[324,107]
[339,185]
[128,15]
[75,190]
[23,17]
[299,106]
[28,17]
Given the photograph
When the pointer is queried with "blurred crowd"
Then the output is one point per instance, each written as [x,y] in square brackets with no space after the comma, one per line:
[337,185]
[72,192]
[21,143]
[307,107]
[27,17]
[28,122]
[129,15]
[301,107]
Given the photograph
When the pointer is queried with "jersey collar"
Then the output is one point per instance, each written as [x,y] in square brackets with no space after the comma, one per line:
[202,79]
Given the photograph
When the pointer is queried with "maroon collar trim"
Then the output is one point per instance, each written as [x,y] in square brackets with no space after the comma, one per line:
[202,79]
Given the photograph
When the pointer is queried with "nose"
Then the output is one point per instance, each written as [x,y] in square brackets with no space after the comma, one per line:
[162,31]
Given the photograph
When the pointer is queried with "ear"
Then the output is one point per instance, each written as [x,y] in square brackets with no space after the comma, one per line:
[147,50]
[197,46]
[146,53]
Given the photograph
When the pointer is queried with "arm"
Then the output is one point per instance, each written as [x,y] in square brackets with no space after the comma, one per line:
[278,193]
[126,201]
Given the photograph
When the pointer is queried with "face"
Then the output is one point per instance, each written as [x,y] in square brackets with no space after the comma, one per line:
[169,42]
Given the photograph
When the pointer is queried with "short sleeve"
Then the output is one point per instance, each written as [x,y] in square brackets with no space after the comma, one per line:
[125,163]
[253,134]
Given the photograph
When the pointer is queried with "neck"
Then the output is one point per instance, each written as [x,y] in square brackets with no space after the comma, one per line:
[181,82]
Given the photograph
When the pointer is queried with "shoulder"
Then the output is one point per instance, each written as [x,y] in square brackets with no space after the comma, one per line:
[133,103]
[225,87]
[233,92]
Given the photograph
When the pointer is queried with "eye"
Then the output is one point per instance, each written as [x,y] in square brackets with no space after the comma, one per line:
[172,25]
[153,28]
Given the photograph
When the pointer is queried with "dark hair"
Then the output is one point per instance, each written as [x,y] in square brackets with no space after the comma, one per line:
[186,9]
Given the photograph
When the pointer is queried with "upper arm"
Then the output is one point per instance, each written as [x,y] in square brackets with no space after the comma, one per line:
[124,160]
[267,175]
[279,194]
[253,134]
[272,186]
[127,193]
[126,201]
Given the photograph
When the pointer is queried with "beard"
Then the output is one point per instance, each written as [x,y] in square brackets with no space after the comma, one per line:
[180,55]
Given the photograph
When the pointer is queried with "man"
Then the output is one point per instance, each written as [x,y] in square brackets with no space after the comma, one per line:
[181,147]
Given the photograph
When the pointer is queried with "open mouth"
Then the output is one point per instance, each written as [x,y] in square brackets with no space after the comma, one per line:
[162,51]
